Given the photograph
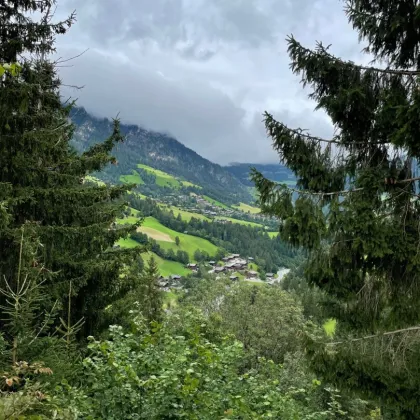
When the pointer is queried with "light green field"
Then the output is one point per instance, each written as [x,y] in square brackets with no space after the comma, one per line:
[253,266]
[170,300]
[127,243]
[128,220]
[164,179]
[240,222]
[166,238]
[134,178]
[95,180]
[215,202]
[185,215]
[273,234]
[247,208]
[190,184]
[166,267]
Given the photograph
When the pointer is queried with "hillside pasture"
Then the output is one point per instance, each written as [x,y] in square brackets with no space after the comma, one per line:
[134,178]
[240,222]
[166,268]
[185,215]
[155,234]
[188,243]
[215,202]
[246,208]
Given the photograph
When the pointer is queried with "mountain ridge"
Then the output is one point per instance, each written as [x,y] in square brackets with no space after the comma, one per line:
[157,150]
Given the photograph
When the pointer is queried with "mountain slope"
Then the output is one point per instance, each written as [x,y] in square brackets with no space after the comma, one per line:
[159,151]
[275,172]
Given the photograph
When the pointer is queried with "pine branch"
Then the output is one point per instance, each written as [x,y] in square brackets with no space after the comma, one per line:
[367,337]
[322,53]
[271,186]
[275,127]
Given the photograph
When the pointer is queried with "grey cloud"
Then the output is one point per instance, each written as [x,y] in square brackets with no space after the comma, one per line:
[202,70]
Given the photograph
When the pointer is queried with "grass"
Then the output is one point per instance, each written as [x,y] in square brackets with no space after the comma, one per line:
[166,267]
[134,178]
[162,178]
[253,267]
[185,215]
[188,243]
[95,180]
[128,220]
[190,184]
[215,202]
[127,243]
[170,300]
[273,234]
[240,222]
[247,208]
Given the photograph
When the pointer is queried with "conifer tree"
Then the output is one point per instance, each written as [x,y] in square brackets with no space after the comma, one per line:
[151,296]
[356,204]
[42,178]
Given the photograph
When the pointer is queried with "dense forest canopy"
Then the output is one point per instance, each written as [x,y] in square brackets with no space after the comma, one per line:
[364,248]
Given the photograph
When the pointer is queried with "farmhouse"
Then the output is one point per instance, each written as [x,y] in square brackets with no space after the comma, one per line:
[212,262]
[252,274]
[191,266]
[219,269]
[176,277]
[234,277]
[269,275]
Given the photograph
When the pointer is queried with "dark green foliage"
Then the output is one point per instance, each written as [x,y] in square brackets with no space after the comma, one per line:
[41,176]
[357,211]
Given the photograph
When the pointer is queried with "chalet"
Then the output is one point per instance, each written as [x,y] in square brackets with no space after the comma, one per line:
[252,274]
[219,269]
[234,277]
[225,259]
[212,262]
[238,266]
[236,255]
[269,275]
[192,266]
[250,259]
[176,277]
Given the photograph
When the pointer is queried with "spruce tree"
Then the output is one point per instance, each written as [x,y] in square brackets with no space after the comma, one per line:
[42,178]
[151,296]
[356,204]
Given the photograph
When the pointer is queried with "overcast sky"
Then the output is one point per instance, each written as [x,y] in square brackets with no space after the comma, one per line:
[203,71]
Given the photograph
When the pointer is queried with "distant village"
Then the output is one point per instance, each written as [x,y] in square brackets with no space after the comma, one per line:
[197,204]
[233,266]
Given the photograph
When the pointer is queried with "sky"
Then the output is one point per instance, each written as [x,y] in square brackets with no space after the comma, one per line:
[203,71]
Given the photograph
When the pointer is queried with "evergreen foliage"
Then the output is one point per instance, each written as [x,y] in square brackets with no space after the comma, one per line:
[41,176]
[357,208]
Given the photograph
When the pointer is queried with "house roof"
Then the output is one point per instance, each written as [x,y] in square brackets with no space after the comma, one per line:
[269,275]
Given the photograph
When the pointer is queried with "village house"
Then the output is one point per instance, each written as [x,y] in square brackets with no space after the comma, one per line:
[234,277]
[269,275]
[212,262]
[176,277]
[252,274]
[193,267]
[219,269]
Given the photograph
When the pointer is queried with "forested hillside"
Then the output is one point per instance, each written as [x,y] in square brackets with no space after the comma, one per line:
[159,151]
[96,321]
